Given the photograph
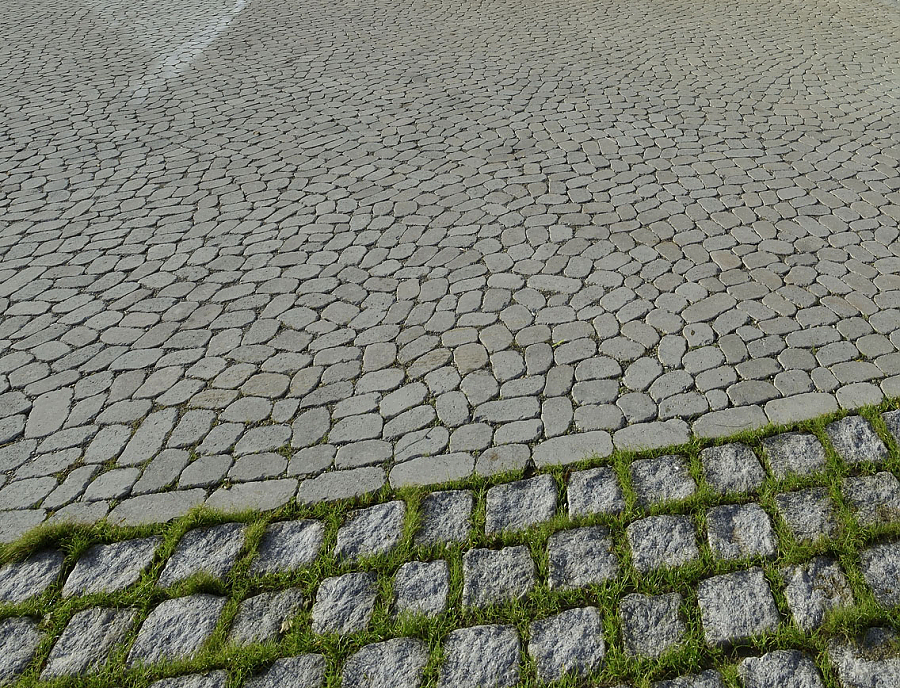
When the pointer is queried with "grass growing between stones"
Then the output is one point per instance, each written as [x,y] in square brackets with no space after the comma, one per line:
[690,656]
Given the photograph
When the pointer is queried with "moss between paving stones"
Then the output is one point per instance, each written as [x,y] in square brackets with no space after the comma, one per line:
[691,656]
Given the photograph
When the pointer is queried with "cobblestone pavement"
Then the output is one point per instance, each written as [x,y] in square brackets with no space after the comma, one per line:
[302,249]
[655,572]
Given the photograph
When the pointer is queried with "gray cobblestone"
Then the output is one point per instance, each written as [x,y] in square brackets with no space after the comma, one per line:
[651,625]
[480,656]
[736,606]
[495,576]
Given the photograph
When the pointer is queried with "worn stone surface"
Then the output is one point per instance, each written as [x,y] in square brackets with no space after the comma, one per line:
[212,679]
[732,468]
[87,640]
[651,625]
[288,545]
[301,671]
[815,588]
[520,504]
[705,679]
[661,479]
[874,499]
[344,604]
[794,453]
[370,531]
[780,668]
[495,576]
[211,550]
[580,557]
[421,587]
[740,530]
[881,569]
[110,568]
[446,517]
[264,617]
[176,629]
[868,661]
[399,662]
[660,541]
[735,606]
[480,656]
[30,577]
[855,440]
[810,514]
[569,643]
[19,638]
[593,491]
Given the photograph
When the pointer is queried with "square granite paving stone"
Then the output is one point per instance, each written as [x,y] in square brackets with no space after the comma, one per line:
[663,479]
[520,504]
[481,657]
[496,576]
[595,491]
[813,589]
[659,541]
[21,580]
[212,550]
[211,679]
[705,679]
[421,587]
[398,663]
[736,531]
[892,421]
[19,638]
[855,440]
[87,640]
[651,624]
[344,604]
[300,671]
[732,468]
[874,499]
[446,517]
[568,643]
[580,557]
[794,453]
[262,618]
[736,606]
[810,514]
[373,530]
[780,669]
[881,569]
[176,629]
[870,660]
[110,568]
[288,546]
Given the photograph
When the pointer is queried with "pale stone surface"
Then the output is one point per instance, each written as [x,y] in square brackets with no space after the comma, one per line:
[815,588]
[651,625]
[580,557]
[288,545]
[520,504]
[371,531]
[480,656]
[211,550]
[740,530]
[496,576]
[881,569]
[868,661]
[705,679]
[344,604]
[176,629]
[113,567]
[421,588]
[794,453]
[446,517]
[593,491]
[19,638]
[735,606]
[301,671]
[662,479]
[780,668]
[732,468]
[87,641]
[855,440]
[569,643]
[810,514]
[399,662]
[662,541]
[263,618]
[212,679]
[30,577]
[874,499]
